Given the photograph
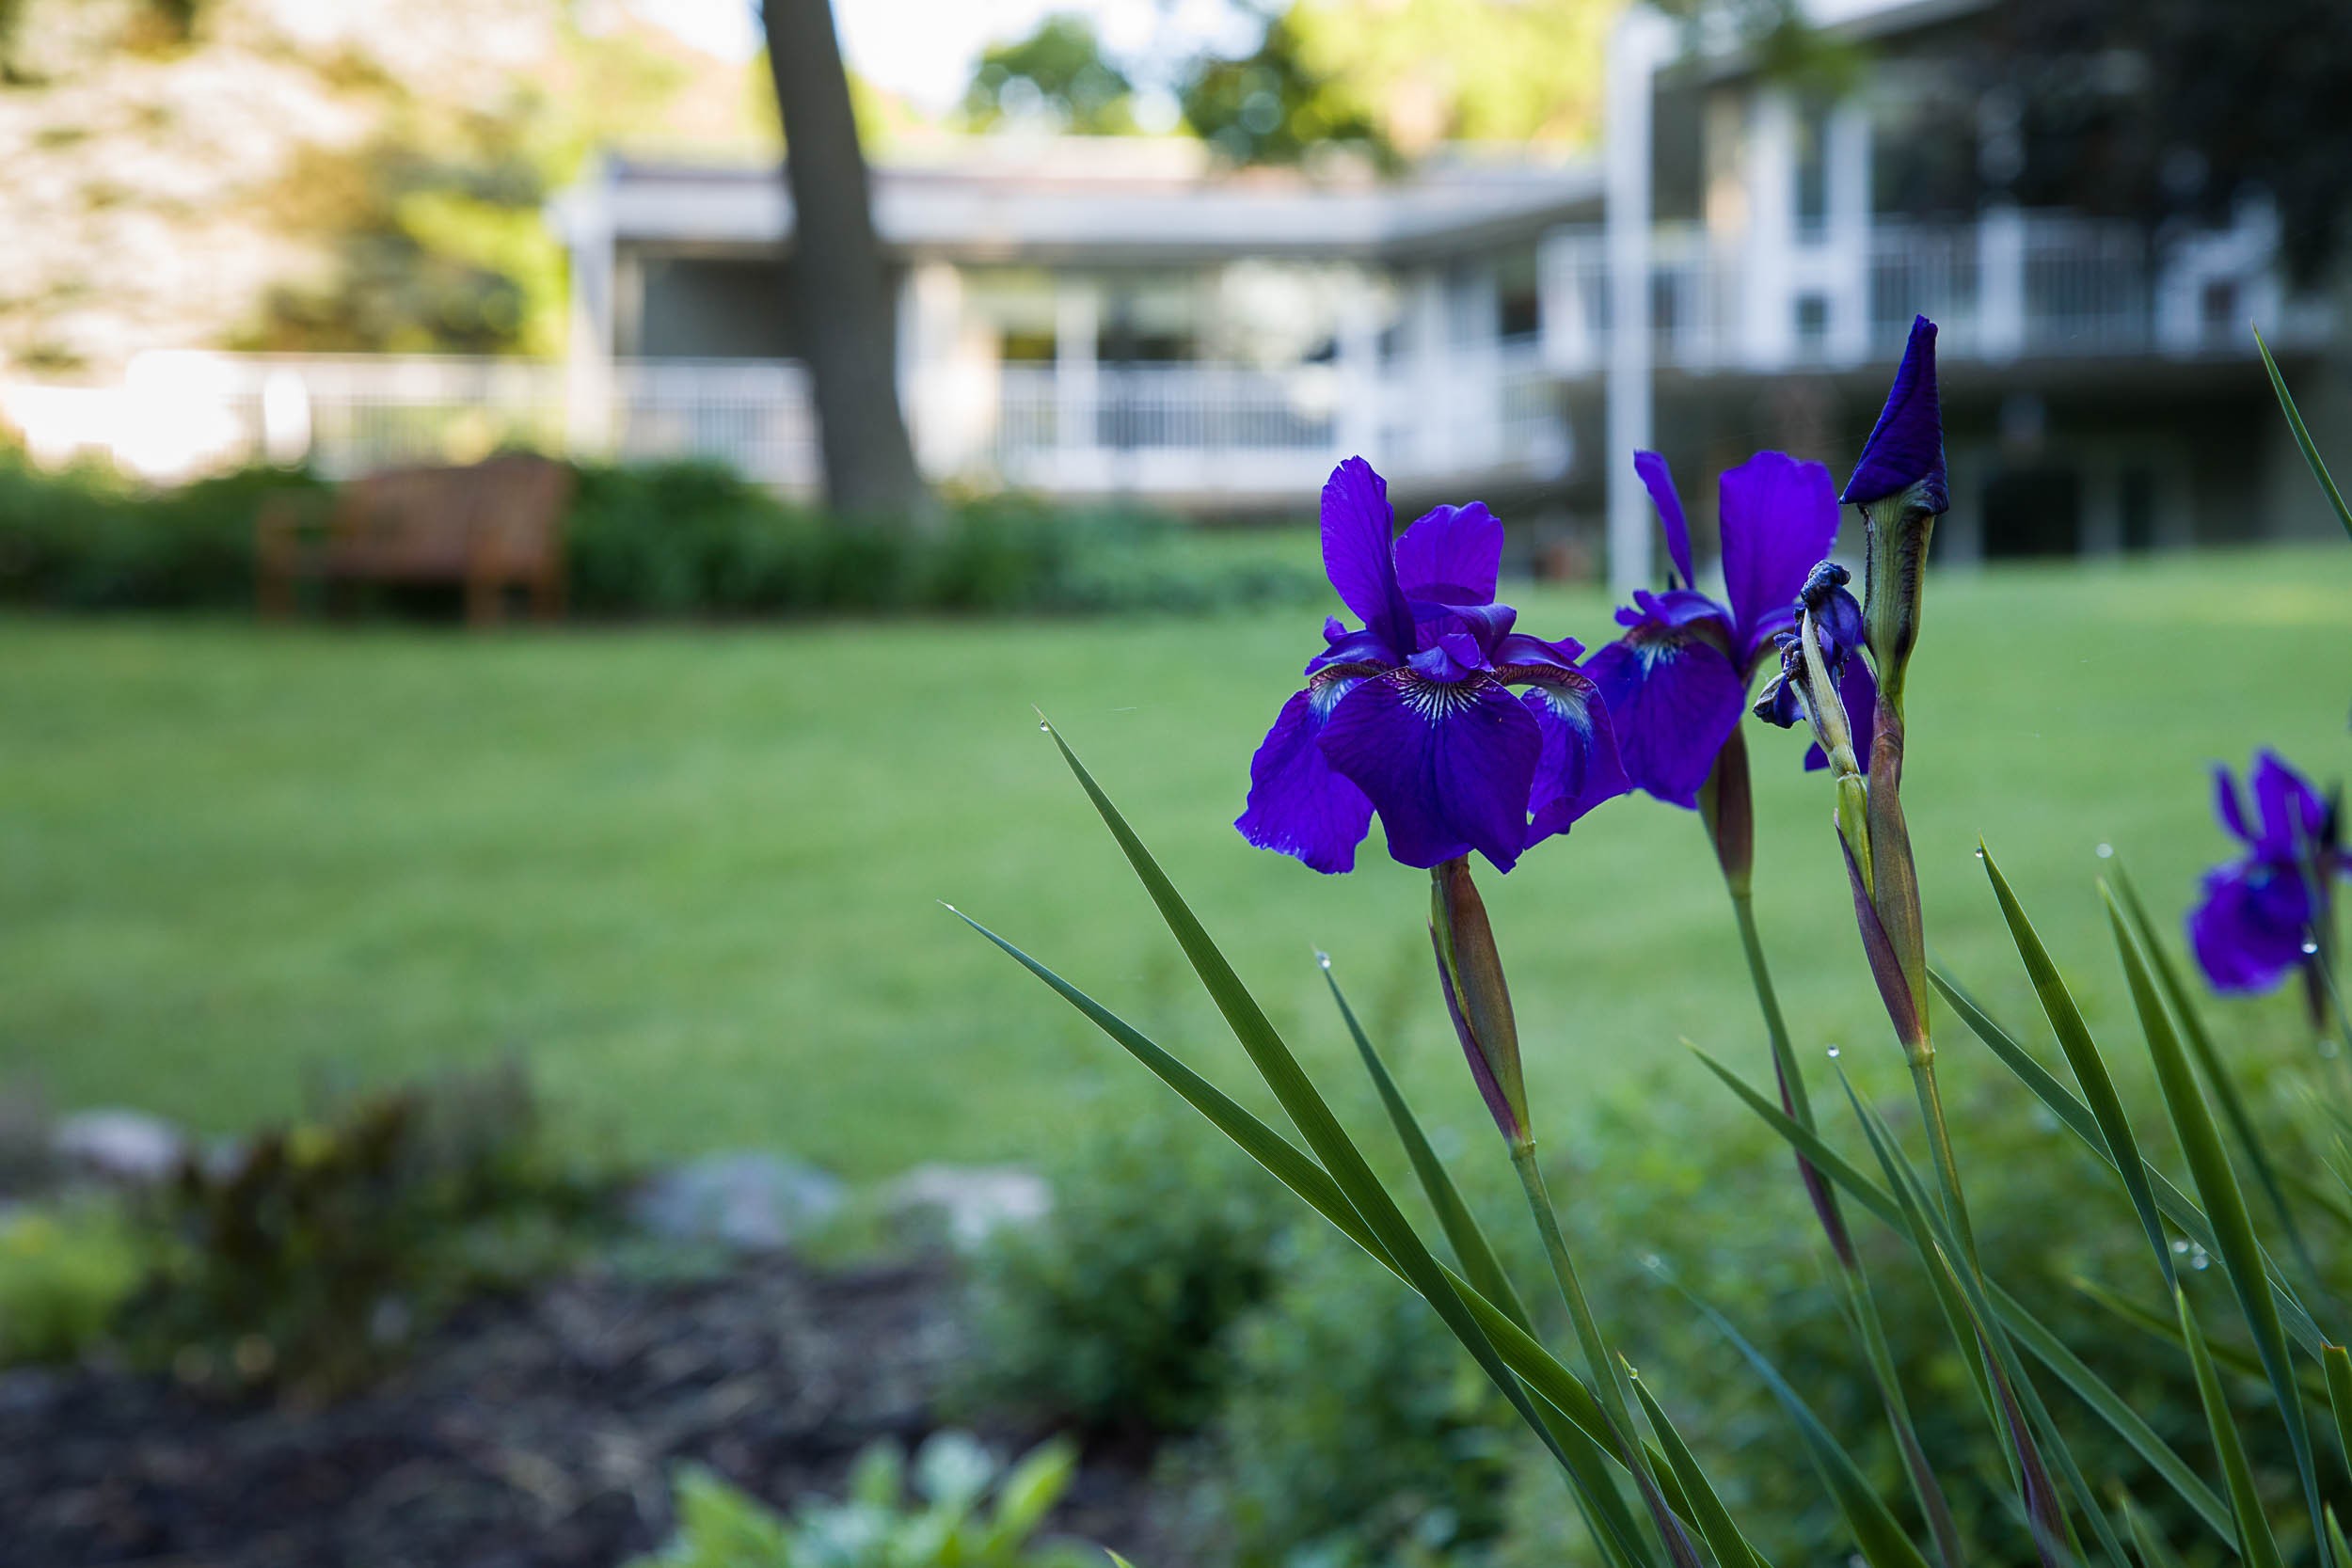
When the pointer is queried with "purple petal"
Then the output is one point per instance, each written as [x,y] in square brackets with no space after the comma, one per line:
[1452,554]
[1654,473]
[1297,805]
[2226,805]
[1906,445]
[1342,647]
[1861,694]
[1522,648]
[1679,607]
[1674,699]
[2293,815]
[1779,518]
[1449,767]
[1356,552]
[1483,622]
[1580,766]
[2248,932]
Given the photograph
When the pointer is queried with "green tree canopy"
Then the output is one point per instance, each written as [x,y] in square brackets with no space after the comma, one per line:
[1058,74]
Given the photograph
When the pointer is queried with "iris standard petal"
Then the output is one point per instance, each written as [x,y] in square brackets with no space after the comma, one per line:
[1449,766]
[2248,932]
[1358,554]
[2293,815]
[1661,483]
[1452,555]
[1906,445]
[2227,807]
[1673,698]
[1779,518]
[1297,805]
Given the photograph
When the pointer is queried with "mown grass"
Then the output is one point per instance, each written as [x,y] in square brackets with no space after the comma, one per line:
[691,874]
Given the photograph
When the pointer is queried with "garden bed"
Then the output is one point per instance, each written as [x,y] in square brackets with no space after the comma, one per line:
[537,1431]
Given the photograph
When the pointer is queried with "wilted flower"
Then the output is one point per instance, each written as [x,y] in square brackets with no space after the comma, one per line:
[1837,628]
[1412,716]
[1678,679]
[2263,915]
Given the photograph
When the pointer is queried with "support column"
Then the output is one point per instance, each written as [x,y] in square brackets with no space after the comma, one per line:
[1636,45]
[1848,249]
[1077,380]
[1768,326]
[584,217]
[2001,283]
[1360,398]
[931,380]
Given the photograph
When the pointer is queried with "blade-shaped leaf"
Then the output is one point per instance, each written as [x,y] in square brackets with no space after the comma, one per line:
[1716,1526]
[2082,1055]
[2209,1166]
[1463,1234]
[2176,1205]
[1880,1539]
[2150,1541]
[2303,436]
[2255,1543]
[2209,1062]
[2036,1337]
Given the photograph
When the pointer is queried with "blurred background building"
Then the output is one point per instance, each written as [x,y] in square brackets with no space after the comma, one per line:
[1206,322]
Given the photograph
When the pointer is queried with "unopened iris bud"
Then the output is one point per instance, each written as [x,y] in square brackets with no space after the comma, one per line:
[1900,486]
[1476,997]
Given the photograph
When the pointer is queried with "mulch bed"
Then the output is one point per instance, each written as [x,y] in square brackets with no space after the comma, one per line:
[538,1433]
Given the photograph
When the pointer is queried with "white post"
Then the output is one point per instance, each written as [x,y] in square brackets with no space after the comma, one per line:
[1636,45]
[1077,381]
[930,324]
[584,216]
[2001,283]
[1848,160]
[1356,429]
[1431,355]
[1767,316]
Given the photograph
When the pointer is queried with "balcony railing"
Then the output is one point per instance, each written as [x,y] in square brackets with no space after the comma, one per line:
[2010,285]
[1171,431]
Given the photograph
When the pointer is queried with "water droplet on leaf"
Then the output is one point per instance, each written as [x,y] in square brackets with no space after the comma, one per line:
[1323,960]
[2107,851]
[2309,947]
[1833,1052]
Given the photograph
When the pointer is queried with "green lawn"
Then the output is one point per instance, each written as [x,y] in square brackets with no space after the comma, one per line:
[692,872]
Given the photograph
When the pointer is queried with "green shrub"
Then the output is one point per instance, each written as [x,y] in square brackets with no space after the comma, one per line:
[964,1513]
[1115,1314]
[649,540]
[65,1270]
[320,1252]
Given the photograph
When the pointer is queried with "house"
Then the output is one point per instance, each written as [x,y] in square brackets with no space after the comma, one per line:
[1119,319]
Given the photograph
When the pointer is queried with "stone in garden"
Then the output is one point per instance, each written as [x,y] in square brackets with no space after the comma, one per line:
[750,1201]
[973,1201]
[116,1145]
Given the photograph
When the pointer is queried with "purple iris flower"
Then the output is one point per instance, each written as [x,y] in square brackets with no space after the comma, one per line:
[2258,911]
[1412,716]
[1676,680]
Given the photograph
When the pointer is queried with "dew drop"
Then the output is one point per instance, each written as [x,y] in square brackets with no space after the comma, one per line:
[1833,1052]
[2107,851]
[2180,1248]
[2309,947]
[2199,1258]
[1323,960]
[2328,1049]
[1980,851]
[1652,1261]
[1043,727]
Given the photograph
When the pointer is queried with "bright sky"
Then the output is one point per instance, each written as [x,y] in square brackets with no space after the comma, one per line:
[925,49]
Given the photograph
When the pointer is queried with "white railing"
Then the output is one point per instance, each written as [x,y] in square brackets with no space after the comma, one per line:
[2010,284]
[1178,431]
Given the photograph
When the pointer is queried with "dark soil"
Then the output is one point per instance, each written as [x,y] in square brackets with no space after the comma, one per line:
[538,1433]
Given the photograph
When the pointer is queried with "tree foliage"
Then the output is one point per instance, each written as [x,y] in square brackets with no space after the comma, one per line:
[1058,75]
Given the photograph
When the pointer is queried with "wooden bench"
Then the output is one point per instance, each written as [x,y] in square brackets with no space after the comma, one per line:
[486,528]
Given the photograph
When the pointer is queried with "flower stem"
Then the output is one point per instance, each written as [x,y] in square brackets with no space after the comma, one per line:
[1608,1374]
[1922,1058]
[1768,1001]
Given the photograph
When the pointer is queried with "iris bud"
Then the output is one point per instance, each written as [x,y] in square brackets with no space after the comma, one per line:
[1900,486]
[1476,996]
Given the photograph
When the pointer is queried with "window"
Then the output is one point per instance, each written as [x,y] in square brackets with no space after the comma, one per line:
[1519,296]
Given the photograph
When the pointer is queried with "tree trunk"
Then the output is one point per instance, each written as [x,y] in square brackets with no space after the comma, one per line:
[837,299]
